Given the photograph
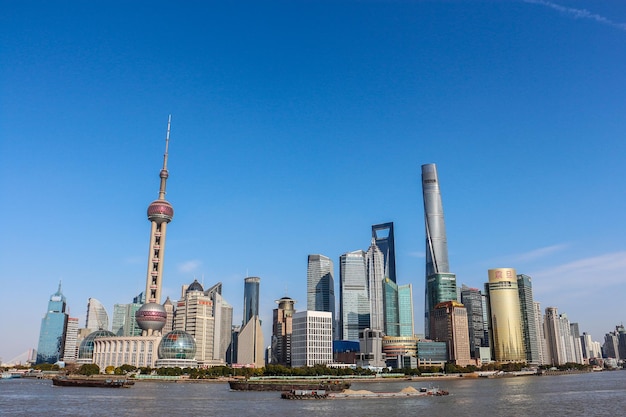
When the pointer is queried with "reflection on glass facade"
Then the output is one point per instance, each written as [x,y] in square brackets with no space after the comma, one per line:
[383,236]
[505,330]
[354,307]
[52,334]
[177,345]
[436,243]
[250,298]
[472,299]
[405,310]
[392,310]
[320,284]
[529,326]
[85,350]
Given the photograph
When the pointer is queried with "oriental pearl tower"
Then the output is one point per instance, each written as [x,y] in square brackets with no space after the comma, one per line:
[151,316]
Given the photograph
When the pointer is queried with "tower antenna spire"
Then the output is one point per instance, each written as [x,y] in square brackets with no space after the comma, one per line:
[164,173]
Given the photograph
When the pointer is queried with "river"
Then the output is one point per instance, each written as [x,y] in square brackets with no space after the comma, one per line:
[590,394]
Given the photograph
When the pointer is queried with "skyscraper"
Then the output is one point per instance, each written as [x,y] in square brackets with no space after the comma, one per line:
[450,325]
[472,299]
[282,331]
[97,317]
[505,321]
[391,309]
[71,340]
[151,316]
[250,298]
[354,307]
[51,344]
[250,348]
[527,309]
[320,287]
[383,236]
[436,243]
[374,261]
[194,315]
[405,310]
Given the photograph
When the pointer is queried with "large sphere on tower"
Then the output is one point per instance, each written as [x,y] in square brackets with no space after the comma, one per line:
[151,316]
[160,211]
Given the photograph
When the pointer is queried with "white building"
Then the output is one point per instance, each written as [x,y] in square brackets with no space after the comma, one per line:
[71,340]
[139,351]
[97,316]
[312,338]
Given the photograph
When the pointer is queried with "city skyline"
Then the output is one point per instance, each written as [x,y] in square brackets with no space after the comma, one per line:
[288,140]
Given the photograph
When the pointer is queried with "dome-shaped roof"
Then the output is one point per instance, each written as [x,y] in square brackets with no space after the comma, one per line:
[151,316]
[160,211]
[195,286]
[85,350]
[177,345]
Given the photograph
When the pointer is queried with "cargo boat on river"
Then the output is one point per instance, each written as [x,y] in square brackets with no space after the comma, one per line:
[64,381]
[288,385]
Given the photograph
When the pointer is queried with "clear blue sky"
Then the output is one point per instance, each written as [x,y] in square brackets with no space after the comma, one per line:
[295,127]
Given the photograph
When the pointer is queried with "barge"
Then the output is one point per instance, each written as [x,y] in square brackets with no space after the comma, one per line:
[289,385]
[64,381]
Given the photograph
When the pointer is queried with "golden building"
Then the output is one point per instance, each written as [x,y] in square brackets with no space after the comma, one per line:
[505,319]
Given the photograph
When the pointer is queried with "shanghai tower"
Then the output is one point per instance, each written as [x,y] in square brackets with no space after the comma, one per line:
[440,283]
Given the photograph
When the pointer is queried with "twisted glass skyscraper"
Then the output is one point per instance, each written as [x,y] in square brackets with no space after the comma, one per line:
[440,283]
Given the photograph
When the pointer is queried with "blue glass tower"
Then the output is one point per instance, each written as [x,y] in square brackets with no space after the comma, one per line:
[250,298]
[52,334]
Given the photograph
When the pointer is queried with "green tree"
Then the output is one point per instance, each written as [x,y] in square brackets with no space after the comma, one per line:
[89,369]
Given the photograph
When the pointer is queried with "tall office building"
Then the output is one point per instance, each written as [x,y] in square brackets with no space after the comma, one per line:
[200,314]
[282,331]
[450,325]
[97,316]
[354,308]
[194,315]
[505,321]
[405,310]
[472,299]
[250,298]
[529,323]
[374,262]
[312,338]
[391,309]
[71,340]
[383,237]
[51,344]
[124,323]
[576,342]
[152,316]
[250,348]
[320,288]
[554,344]
[436,245]
[541,338]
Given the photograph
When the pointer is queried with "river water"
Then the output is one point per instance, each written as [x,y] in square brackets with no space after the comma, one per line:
[591,394]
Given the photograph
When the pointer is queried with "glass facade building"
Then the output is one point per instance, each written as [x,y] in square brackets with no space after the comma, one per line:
[320,287]
[51,346]
[405,310]
[375,261]
[436,241]
[383,237]
[354,307]
[392,309]
[250,298]
[472,299]
[97,316]
[529,323]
